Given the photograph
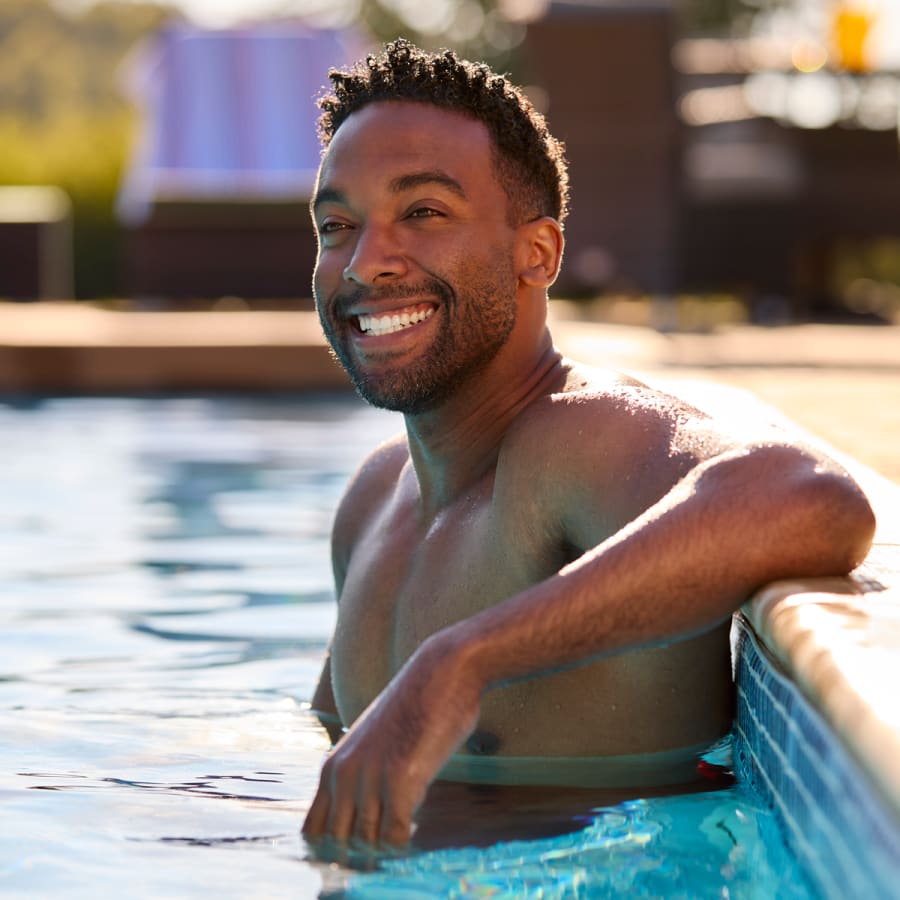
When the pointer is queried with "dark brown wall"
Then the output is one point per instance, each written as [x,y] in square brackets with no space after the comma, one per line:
[849,190]
[20,260]
[35,260]
[248,250]
[609,78]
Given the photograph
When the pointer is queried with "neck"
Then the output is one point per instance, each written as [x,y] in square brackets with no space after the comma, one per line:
[455,446]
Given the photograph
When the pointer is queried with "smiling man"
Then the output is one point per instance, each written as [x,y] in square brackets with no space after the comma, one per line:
[535,581]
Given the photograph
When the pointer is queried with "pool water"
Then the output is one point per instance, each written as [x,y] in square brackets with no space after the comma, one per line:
[165,601]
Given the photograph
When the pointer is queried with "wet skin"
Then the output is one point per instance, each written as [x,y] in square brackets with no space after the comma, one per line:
[545,564]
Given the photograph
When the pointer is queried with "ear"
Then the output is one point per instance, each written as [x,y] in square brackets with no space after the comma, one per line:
[541,245]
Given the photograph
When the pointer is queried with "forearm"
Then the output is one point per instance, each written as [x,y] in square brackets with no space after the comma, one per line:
[678,570]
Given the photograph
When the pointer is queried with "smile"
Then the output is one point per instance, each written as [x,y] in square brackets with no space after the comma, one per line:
[388,324]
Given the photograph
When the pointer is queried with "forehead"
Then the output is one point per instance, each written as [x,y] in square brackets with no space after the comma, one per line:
[387,138]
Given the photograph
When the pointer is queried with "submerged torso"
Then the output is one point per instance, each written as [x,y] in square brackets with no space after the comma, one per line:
[410,575]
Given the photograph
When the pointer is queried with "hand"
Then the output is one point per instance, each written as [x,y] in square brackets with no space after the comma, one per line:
[377,776]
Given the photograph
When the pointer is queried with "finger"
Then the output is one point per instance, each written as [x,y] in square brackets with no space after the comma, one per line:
[396,824]
[328,850]
[317,816]
[367,825]
[342,809]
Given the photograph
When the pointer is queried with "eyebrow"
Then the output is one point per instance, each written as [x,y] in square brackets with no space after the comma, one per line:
[430,176]
[399,184]
[327,195]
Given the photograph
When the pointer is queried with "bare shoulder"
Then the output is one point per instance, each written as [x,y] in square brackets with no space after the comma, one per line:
[627,422]
[365,494]
[608,447]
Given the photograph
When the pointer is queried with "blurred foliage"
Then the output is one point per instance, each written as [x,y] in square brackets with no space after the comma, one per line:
[63,120]
[717,16]
[485,30]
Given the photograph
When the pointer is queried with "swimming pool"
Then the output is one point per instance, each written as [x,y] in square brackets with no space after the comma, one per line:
[165,594]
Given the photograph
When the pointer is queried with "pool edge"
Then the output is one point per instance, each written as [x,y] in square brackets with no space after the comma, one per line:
[817,728]
[833,818]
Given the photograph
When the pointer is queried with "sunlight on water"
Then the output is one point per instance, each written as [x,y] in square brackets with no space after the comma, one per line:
[165,601]
[713,845]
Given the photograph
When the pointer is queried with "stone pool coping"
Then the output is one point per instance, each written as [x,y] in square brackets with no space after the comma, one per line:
[839,639]
[79,348]
[76,347]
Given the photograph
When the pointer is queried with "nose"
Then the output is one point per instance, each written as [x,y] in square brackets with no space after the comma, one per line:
[376,257]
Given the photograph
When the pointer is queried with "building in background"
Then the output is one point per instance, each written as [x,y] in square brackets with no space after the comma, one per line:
[606,73]
[765,166]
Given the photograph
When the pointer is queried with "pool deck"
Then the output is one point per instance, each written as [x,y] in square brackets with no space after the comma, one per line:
[838,638]
[840,382]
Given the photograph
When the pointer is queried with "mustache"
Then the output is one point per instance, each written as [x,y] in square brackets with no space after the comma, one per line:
[351,296]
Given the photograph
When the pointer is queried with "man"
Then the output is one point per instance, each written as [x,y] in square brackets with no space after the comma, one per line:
[535,581]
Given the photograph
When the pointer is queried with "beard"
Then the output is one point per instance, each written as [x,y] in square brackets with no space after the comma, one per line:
[476,323]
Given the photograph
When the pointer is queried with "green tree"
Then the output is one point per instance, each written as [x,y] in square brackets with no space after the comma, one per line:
[63,120]
[478,29]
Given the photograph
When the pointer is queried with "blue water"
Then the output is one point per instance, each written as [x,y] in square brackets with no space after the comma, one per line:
[165,601]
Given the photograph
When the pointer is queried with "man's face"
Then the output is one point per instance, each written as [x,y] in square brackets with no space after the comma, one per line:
[414,283]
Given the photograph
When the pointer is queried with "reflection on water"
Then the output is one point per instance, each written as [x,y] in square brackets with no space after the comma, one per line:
[165,600]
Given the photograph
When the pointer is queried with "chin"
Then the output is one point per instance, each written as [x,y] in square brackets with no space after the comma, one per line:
[406,404]
[411,398]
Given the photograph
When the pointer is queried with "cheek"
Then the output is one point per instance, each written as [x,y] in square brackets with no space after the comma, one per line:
[487,267]
[327,276]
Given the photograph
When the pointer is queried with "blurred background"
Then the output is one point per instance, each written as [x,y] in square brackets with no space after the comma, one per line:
[732,160]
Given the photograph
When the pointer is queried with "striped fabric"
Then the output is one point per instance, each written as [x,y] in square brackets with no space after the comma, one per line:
[228,115]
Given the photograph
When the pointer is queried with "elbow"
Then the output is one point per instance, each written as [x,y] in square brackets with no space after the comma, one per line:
[818,521]
[852,523]
[834,518]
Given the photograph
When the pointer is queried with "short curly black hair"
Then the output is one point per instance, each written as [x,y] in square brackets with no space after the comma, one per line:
[531,163]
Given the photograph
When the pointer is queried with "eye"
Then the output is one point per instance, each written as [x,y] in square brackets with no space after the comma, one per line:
[425,212]
[332,232]
[331,227]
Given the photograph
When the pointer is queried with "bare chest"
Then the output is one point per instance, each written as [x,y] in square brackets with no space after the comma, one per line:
[407,581]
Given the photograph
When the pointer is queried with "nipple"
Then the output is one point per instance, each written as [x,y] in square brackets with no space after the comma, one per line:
[483,743]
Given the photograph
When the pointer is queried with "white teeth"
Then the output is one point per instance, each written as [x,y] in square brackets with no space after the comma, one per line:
[378,325]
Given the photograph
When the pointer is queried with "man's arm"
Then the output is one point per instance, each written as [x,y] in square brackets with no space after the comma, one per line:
[735,522]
